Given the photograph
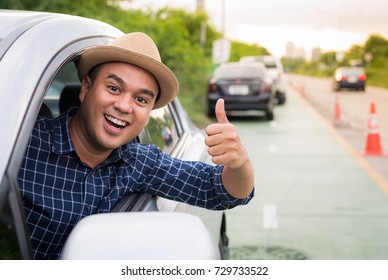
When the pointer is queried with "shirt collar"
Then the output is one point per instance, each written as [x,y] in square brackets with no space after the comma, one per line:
[63,144]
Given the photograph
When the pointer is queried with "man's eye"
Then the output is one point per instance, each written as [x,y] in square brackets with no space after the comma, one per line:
[142,100]
[113,89]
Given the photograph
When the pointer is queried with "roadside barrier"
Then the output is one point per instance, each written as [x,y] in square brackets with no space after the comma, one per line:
[373,143]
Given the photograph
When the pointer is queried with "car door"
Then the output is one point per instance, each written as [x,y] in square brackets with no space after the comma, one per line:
[37,62]
[32,50]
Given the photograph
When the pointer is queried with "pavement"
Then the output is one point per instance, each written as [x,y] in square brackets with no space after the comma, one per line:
[316,198]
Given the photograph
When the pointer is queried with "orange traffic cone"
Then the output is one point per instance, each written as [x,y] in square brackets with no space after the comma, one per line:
[373,144]
[302,90]
[337,112]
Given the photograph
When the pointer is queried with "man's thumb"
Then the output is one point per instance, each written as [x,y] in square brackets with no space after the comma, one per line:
[220,111]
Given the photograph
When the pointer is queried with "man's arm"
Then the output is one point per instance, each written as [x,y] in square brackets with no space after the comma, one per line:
[226,149]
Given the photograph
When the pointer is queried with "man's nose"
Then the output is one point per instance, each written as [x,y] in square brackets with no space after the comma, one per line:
[124,103]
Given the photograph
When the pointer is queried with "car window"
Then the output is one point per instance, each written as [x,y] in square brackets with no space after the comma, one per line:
[245,71]
[268,61]
[352,71]
[67,75]
[270,64]
[161,130]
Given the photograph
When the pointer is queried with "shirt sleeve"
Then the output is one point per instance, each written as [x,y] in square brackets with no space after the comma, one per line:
[192,182]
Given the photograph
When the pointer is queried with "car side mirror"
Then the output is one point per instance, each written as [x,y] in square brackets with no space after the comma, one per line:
[141,236]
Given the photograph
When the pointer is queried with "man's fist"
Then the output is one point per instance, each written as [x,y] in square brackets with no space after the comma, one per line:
[223,140]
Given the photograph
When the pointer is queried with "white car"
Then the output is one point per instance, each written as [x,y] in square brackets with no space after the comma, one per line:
[38,76]
[276,71]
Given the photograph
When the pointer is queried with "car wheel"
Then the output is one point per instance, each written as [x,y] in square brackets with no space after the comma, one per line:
[283,100]
[280,99]
[269,115]
[224,240]
[336,87]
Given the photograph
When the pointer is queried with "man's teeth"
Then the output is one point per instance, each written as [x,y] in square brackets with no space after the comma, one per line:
[115,121]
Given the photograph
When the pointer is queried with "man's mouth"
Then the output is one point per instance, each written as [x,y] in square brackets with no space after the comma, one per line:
[115,122]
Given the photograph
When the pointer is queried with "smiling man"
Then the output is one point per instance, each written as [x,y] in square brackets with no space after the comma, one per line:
[118,99]
[85,161]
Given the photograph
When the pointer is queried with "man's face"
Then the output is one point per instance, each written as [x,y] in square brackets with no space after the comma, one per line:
[115,107]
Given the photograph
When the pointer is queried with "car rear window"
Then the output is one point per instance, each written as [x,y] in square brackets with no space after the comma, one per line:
[270,64]
[239,72]
[352,71]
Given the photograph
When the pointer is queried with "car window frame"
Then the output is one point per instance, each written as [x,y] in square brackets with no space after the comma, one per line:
[67,54]
[16,225]
[147,135]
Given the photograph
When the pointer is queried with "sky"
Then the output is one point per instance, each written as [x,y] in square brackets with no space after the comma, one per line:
[326,24]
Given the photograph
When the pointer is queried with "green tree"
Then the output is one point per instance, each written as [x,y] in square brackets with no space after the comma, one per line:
[240,49]
[176,32]
[378,47]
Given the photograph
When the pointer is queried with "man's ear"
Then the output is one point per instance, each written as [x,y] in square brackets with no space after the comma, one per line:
[86,84]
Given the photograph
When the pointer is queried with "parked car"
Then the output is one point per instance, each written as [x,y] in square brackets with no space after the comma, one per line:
[276,71]
[350,77]
[38,52]
[244,87]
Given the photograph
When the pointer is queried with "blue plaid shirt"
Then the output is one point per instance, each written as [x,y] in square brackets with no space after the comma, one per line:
[58,189]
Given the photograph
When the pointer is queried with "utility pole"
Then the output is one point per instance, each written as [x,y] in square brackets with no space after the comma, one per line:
[201,8]
[223,18]
[200,5]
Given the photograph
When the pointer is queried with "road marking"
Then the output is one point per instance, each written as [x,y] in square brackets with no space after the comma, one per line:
[380,181]
[270,220]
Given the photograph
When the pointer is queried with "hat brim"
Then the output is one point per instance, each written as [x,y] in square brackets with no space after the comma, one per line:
[168,84]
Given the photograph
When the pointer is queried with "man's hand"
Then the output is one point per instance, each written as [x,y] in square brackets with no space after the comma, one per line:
[223,140]
[225,148]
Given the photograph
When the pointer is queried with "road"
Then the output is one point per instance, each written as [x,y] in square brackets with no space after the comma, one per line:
[355,108]
[317,196]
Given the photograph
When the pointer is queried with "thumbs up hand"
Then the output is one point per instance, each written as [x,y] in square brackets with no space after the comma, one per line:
[220,111]
[223,141]
[226,149]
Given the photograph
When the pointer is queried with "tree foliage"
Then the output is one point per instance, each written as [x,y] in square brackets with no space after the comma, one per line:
[176,32]
[240,49]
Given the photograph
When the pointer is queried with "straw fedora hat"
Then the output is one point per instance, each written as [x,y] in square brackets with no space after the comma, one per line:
[138,49]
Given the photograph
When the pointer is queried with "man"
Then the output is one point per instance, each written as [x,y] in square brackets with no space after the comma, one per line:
[84,161]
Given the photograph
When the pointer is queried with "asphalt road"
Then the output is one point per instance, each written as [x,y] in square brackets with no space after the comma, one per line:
[355,112]
[317,196]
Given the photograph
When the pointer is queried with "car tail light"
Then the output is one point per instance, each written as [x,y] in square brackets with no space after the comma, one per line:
[265,87]
[362,77]
[279,75]
[343,78]
[212,88]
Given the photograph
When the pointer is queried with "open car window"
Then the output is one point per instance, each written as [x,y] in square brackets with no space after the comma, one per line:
[66,81]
